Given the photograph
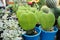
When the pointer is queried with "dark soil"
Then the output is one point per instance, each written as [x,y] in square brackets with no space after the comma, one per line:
[31,32]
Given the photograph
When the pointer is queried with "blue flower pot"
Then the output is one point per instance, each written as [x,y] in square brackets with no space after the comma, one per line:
[33,37]
[47,35]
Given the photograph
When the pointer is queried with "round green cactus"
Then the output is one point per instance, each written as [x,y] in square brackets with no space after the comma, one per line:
[46,19]
[58,21]
[27,19]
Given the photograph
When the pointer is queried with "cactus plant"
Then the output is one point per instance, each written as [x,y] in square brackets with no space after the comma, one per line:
[27,21]
[58,21]
[49,21]
[45,9]
[51,3]
[46,19]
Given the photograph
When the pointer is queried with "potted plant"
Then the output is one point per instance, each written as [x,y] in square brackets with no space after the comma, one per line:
[38,12]
[27,20]
[47,20]
[53,4]
[58,33]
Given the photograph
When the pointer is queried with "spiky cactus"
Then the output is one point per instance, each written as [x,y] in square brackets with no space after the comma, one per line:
[51,3]
[58,21]
[46,19]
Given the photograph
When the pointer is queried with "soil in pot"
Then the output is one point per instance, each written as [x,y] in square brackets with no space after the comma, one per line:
[31,32]
[37,25]
[33,35]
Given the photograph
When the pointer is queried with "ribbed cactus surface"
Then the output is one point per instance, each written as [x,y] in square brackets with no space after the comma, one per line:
[51,3]
[46,18]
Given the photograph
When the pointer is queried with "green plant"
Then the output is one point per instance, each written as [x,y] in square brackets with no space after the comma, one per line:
[15,7]
[46,19]
[41,3]
[27,21]
[26,18]
[58,21]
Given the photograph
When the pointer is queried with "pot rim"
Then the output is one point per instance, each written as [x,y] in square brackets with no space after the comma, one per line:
[55,30]
[34,35]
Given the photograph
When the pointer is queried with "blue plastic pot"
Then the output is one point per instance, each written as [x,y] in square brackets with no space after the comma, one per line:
[47,35]
[33,37]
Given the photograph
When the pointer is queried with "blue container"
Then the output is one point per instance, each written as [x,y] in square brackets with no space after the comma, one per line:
[47,35]
[33,37]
